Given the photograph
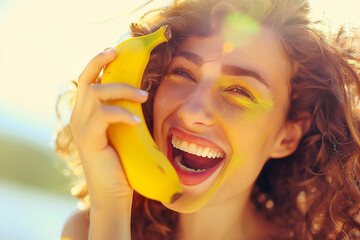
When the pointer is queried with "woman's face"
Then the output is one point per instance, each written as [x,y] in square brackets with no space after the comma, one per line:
[218,113]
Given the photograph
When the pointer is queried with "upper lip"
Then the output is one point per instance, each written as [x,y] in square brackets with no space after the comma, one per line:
[194,139]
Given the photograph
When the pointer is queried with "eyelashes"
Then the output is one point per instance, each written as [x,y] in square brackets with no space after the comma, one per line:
[242,91]
[182,72]
[236,89]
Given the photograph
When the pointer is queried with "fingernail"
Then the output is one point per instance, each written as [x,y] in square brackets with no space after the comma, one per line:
[142,92]
[136,118]
[107,50]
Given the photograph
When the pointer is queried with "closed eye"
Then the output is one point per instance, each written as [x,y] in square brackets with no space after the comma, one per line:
[182,72]
[242,91]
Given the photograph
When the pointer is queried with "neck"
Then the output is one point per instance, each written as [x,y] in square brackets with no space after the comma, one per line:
[233,218]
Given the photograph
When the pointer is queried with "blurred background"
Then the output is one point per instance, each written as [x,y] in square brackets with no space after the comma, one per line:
[44,44]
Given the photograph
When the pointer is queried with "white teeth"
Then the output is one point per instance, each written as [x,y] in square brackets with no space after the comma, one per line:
[205,152]
[195,149]
[199,151]
[177,142]
[184,146]
[178,159]
[192,148]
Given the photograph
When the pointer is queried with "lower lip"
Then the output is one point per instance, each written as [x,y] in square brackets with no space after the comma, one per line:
[191,178]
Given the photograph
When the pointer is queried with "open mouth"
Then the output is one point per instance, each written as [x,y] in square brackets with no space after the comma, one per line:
[193,162]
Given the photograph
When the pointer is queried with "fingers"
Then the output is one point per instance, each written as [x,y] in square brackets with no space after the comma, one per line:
[92,71]
[99,93]
[94,133]
[89,122]
[90,96]
[115,91]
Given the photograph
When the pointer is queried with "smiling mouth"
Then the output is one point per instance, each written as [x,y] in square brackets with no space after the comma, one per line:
[194,163]
[193,157]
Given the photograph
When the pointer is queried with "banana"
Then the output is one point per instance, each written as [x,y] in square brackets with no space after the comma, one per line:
[147,169]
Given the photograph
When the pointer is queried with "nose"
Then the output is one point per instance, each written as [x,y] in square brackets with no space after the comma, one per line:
[196,110]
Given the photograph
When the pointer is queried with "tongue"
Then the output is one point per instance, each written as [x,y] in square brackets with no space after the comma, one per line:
[197,162]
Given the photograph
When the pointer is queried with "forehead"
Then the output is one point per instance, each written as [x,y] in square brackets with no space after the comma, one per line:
[261,54]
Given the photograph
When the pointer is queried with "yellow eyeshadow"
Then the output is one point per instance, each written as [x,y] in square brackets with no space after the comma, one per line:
[260,102]
[241,100]
[259,105]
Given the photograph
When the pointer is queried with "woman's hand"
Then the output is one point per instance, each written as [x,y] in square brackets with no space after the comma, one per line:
[105,178]
[109,191]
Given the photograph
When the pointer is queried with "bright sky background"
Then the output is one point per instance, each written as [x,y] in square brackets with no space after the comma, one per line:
[46,43]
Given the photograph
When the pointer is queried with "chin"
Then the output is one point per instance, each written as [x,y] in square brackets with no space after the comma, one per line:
[196,197]
[186,204]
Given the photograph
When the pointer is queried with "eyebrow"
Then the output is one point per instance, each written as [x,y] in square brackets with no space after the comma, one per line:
[238,71]
[192,57]
[225,69]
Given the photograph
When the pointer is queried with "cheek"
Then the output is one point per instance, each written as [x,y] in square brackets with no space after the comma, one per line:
[249,133]
[159,111]
[242,121]
[159,102]
[167,98]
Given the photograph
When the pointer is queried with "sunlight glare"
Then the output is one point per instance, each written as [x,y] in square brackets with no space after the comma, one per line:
[336,12]
[48,43]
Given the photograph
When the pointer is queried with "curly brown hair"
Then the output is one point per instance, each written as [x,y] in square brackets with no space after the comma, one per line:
[314,192]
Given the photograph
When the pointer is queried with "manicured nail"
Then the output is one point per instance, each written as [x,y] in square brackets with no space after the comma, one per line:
[136,118]
[142,92]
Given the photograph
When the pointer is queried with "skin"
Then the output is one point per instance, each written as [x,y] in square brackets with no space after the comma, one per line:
[250,133]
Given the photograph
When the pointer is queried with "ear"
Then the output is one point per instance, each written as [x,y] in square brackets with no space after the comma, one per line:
[288,139]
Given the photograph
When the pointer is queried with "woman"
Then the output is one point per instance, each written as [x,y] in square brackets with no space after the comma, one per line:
[251,81]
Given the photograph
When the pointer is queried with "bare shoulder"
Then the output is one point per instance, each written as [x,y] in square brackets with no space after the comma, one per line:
[76,226]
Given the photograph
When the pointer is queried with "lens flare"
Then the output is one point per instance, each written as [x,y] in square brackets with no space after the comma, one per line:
[228,47]
[239,30]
